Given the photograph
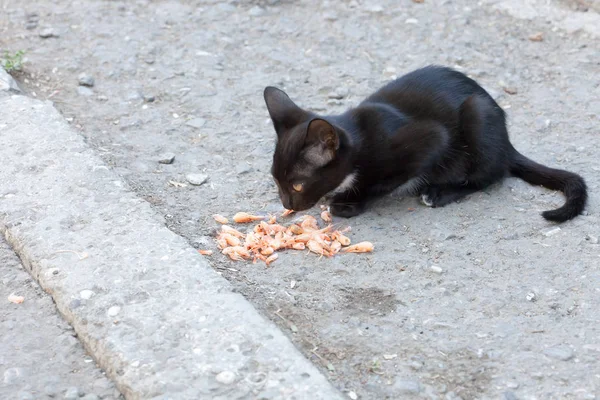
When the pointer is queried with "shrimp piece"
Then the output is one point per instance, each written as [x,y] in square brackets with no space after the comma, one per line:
[275,228]
[267,251]
[287,240]
[344,240]
[205,252]
[326,216]
[298,246]
[13,298]
[273,219]
[242,218]
[222,243]
[335,247]
[310,223]
[305,237]
[295,229]
[232,231]
[271,258]
[324,230]
[315,247]
[220,219]
[277,243]
[230,239]
[236,253]
[264,228]
[324,243]
[259,257]
[322,238]
[252,240]
[362,247]
[287,212]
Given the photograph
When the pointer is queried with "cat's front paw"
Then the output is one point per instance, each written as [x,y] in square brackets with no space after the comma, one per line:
[346,210]
[430,196]
[426,200]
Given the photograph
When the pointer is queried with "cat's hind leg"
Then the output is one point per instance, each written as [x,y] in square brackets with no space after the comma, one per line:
[441,195]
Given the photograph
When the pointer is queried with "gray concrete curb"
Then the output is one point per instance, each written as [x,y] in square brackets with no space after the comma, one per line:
[154,314]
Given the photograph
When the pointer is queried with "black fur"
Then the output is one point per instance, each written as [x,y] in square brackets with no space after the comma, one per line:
[434,128]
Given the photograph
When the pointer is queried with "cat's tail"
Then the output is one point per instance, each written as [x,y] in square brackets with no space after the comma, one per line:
[572,185]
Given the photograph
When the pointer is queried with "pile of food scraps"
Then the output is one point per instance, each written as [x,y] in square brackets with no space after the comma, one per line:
[267,237]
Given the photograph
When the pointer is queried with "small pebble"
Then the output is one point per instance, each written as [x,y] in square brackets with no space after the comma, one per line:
[416,365]
[196,179]
[13,375]
[72,393]
[541,123]
[75,303]
[32,16]
[85,91]
[551,231]
[225,377]
[563,353]
[436,269]
[509,396]
[86,294]
[196,123]
[86,80]
[242,169]
[592,239]
[338,94]
[48,33]
[406,387]
[50,390]
[256,11]
[511,236]
[113,311]
[530,296]
[148,98]
[166,158]
[375,8]
[352,395]
[571,148]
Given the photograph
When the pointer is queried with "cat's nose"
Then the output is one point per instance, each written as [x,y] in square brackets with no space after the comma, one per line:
[287,202]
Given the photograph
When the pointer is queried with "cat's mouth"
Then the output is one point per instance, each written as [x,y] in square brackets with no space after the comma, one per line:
[298,205]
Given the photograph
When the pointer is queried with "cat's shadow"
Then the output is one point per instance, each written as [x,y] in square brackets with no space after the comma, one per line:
[398,202]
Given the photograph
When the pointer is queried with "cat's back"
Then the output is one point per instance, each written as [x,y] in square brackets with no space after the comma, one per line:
[426,87]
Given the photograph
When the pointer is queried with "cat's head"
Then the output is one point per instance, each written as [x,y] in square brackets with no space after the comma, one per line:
[312,155]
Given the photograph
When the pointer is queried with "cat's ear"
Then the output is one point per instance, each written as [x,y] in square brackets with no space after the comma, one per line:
[283,111]
[322,141]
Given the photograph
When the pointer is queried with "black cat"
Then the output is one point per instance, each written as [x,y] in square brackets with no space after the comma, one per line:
[434,131]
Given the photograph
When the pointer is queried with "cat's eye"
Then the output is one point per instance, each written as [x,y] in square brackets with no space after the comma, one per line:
[298,187]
